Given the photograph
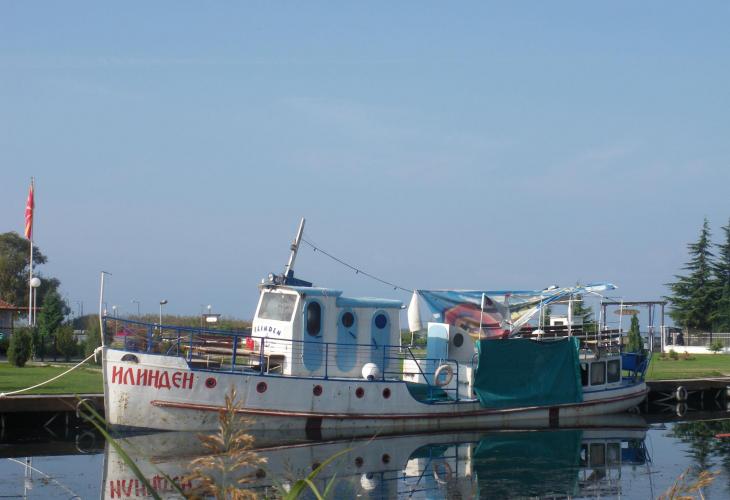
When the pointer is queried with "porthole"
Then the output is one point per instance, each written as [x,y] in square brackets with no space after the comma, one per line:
[131,358]
[261,387]
[316,465]
[381,321]
[458,340]
[317,391]
[386,393]
[359,392]
[348,319]
[210,383]
[359,462]
[385,458]
[260,474]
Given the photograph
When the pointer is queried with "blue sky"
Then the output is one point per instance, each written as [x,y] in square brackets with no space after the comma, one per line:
[435,145]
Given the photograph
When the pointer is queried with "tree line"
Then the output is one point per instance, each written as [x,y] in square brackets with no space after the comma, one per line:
[700,300]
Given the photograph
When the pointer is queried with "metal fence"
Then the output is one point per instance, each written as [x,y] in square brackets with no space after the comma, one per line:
[698,339]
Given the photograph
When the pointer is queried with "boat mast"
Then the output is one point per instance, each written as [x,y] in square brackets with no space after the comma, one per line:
[289,272]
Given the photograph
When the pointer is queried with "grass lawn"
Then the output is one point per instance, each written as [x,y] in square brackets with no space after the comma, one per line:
[78,381]
[704,365]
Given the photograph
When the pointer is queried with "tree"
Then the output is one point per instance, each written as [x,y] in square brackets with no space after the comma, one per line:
[51,315]
[19,350]
[721,315]
[693,297]
[14,268]
[635,340]
[66,342]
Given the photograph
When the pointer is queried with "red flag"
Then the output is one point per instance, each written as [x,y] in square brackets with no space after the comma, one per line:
[29,206]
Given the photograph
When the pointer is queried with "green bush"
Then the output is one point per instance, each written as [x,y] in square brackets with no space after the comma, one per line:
[65,341]
[4,345]
[19,350]
[715,347]
[673,354]
[93,340]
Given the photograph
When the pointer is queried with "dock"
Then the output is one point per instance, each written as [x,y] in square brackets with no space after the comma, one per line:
[681,390]
[24,409]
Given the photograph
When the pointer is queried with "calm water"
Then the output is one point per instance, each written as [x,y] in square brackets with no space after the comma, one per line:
[628,459]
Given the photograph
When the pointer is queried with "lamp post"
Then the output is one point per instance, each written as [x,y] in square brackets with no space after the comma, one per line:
[81,311]
[114,309]
[35,283]
[105,307]
[162,303]
[135,302]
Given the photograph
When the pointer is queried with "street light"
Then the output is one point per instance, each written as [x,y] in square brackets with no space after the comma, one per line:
[114,308]
[162,303]
[35,283]
[81,311]
[135,302]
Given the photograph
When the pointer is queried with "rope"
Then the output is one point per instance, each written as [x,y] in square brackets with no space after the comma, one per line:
[4,394]
[357,271]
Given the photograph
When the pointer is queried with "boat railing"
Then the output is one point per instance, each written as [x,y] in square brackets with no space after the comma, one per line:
[241,352]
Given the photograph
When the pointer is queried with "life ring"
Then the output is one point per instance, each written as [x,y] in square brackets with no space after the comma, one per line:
[680,394]
[447,472]
[81,445]
[83,412]
[449,375]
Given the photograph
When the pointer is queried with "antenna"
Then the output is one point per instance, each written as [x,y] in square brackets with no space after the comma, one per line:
[289,272]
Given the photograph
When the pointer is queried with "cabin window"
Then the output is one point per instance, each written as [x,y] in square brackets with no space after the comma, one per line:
[277,306]
[584,374]
[314,318]
[348,319]
[614,371]
[381,321]
[598,373]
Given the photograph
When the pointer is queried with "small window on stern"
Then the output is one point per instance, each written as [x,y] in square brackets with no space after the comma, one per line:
[598,373]
[614,371]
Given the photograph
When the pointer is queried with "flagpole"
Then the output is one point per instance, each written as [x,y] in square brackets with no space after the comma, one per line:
[30,276]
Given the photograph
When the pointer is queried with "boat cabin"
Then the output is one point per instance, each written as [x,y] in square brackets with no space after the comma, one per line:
[314,332]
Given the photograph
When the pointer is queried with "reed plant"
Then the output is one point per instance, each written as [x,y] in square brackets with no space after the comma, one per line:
[218,475]
[682,490]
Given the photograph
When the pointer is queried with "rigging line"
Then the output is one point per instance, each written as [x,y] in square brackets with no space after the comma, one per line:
[358,271]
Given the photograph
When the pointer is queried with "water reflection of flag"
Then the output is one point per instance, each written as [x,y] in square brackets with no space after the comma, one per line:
[29,206]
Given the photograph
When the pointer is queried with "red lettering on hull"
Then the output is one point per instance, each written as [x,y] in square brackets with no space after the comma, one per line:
[159,379]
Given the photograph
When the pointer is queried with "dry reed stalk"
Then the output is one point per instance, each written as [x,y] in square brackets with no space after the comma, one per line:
[231,450]
[681,490]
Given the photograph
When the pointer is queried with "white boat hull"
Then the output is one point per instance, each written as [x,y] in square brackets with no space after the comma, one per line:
[162,392]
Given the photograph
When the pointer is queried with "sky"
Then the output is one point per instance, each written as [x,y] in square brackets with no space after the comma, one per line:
[467,145]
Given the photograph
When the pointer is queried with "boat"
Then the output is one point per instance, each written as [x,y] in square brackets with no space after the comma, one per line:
[317,360]
[539,462]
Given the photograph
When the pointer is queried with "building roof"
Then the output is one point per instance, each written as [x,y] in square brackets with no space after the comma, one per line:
[4,306]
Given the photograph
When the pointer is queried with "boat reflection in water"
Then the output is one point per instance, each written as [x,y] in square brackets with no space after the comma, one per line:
[496,463]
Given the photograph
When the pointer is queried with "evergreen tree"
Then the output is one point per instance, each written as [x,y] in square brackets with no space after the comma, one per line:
[65,342]
[51,315]
[693,297]
[721,315]
[635,340]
